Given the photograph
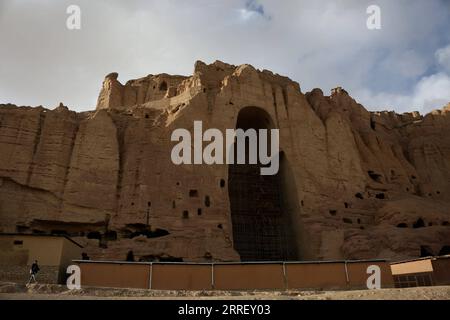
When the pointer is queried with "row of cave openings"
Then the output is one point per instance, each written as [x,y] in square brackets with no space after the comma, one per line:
[426,251]
[376,177]
[420,223]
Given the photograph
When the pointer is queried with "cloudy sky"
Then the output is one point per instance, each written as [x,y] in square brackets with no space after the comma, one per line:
[404,66]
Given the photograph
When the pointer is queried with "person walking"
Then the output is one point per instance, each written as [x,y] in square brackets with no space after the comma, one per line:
[33,272]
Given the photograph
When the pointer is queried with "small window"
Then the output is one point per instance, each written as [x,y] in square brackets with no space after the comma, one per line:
[185,214]
[207,201]
[222,183]
[163,86]
[193,193]
[18,242]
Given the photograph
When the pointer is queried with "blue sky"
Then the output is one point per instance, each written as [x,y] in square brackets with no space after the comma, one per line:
[405,66]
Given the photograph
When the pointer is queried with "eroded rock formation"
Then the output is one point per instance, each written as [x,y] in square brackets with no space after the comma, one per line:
[353,184]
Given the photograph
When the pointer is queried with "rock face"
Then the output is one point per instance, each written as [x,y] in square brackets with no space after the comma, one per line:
[353,184]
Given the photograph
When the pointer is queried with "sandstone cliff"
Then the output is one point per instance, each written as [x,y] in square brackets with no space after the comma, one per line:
[360,184]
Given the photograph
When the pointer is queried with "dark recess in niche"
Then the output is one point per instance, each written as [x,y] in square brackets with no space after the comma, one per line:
[402,225]
[207,201]
[425,251]
[346,205]
[170,259]
[372,124]
[174,204]
[220,226]
[185,214]
[130,256]
[199,212]
[347,220]
[222,183]
[59,232]
[444,251]
[193,193]
[333,212]
[163,86]
[94,235]
[22,229]
[111,235]
[445,223]
[359,196]
[375,176]
[419,224]
[380,196]
[157,233]
[143,230]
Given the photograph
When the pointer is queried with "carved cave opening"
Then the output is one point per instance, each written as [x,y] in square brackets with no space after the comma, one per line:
[263,208]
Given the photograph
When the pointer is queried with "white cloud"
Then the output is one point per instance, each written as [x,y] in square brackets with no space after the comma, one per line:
[317,43]
[443,57]
[432,92]
[429,93]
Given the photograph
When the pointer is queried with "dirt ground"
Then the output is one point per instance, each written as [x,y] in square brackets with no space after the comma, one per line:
[10,291]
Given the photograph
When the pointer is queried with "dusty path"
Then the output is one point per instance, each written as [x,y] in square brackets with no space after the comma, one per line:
[10,291]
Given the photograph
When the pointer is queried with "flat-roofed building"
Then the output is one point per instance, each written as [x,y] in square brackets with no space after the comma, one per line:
[428,271]
[53,253]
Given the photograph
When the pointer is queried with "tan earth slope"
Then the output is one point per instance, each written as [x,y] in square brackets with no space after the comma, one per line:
[353,184]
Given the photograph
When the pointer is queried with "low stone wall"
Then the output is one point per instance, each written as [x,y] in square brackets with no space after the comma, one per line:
[21,274]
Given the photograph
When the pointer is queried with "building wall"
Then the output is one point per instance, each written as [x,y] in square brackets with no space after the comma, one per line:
[70,251]
[230,276]
[115,275]
[309,276]
[441,272]
[358,274]
[433,271]
[54,254]
[409,267]
[250,276]
[173,277]
[47,250]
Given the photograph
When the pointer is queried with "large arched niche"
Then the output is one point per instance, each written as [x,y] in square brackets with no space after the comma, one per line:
[264,209]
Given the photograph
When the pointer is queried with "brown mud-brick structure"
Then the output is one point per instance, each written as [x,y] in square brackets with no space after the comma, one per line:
[53,253]
[329,275]
[427,271]
[352,184]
